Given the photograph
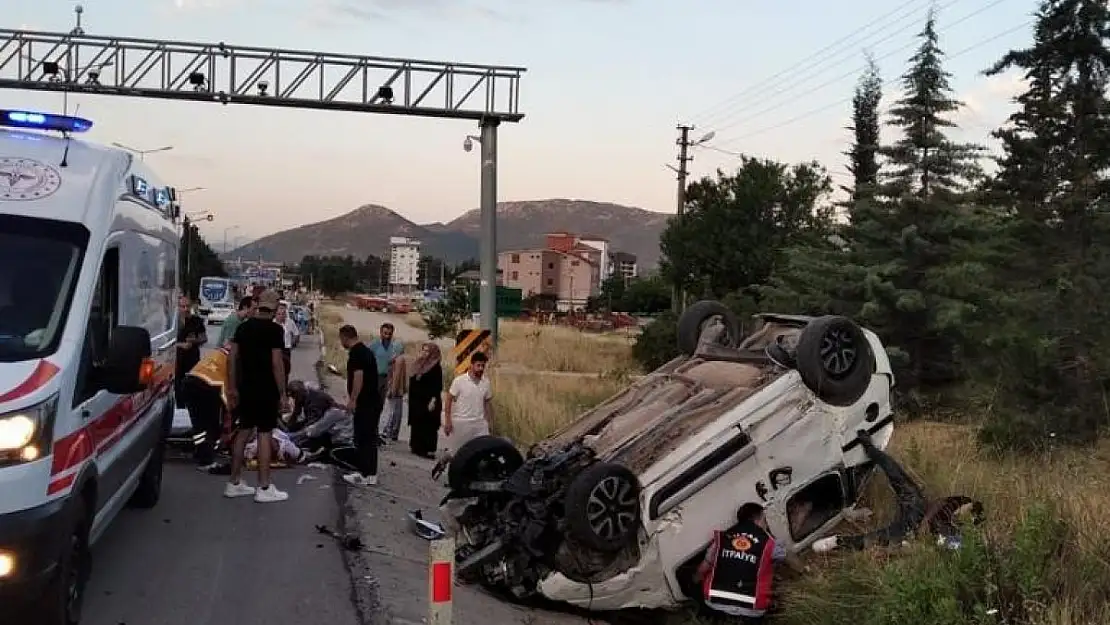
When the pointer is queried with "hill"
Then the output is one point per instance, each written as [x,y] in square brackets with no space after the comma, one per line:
[367,229]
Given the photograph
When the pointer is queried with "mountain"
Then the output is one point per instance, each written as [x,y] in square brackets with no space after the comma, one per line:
[367,229]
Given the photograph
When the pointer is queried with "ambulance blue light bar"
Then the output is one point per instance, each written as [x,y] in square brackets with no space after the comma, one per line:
[43,121]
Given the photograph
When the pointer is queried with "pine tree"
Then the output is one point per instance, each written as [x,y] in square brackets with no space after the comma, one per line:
[1052,180]
[918,238]
[863,156]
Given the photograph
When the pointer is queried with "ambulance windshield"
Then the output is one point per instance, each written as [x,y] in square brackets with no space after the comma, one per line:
[39,264]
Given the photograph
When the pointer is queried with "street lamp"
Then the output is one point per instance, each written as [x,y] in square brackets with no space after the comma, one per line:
[226,230]
[142,153]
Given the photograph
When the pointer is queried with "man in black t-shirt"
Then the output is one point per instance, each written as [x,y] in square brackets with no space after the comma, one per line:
[256,393]
[191,334]
[365,402]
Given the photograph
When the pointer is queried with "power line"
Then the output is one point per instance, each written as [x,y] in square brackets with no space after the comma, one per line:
[710,112]
[845,100]
[856,71]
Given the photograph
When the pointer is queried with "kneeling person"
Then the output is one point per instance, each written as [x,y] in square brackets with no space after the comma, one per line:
[738,571]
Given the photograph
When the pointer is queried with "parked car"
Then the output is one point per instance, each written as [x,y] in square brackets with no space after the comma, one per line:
[615,510]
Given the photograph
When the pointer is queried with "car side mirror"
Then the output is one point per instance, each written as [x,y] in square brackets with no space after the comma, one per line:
[128,367]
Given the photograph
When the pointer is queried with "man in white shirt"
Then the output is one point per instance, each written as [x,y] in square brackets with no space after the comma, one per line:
[468,409]
[290,330]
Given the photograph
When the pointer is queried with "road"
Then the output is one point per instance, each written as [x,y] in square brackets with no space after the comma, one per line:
[390,577]
[201,559]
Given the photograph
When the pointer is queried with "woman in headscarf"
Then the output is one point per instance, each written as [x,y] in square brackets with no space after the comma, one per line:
[425,401]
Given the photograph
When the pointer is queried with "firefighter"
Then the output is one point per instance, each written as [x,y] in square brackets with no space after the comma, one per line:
[738,571]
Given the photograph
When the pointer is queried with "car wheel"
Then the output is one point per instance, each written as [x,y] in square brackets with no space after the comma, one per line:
[835,360]
[603,507]
[149,490]
[486,458]
[696,319]
[64,596]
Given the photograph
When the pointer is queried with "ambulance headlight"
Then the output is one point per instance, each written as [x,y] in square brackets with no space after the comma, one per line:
[26,434]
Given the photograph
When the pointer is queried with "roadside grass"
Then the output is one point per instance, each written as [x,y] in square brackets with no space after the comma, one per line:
[556,348]
[528,407]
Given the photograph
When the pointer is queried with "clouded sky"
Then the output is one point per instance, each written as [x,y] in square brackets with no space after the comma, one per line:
[607,82]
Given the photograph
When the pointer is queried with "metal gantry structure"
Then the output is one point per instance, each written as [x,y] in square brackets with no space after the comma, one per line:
[78,63]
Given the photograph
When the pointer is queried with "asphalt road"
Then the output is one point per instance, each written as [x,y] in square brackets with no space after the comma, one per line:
[200,559]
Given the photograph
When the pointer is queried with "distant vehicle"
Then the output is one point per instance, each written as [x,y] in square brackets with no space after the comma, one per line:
[219,312]
[88,246]
[216,290]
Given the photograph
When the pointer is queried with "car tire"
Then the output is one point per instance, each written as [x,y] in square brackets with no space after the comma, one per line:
[483,458]
[602,507]
[149,490]
[693,321]
[835,360]
[64,595]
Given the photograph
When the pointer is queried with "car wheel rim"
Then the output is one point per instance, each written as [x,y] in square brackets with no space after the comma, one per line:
[73,581]
[492,467]
[724,338]
[611,508]
[838,352]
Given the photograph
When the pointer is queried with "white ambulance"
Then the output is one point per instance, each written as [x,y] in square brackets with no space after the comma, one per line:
[88,283]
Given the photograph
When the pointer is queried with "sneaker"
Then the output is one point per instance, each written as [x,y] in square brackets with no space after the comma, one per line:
[270,494]
[357,479]
[238,490]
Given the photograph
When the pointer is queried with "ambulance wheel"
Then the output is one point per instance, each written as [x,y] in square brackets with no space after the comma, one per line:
[603,507]
[64,596]
[149,490]
[835,360]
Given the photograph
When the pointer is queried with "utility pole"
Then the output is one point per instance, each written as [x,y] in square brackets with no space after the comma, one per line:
[487,298]
[678,297]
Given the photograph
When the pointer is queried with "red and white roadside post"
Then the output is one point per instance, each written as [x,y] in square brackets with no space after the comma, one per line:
[441,580]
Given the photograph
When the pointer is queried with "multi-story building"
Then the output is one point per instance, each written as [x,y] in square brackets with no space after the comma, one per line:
[404,264]
[570,278]
[624,265]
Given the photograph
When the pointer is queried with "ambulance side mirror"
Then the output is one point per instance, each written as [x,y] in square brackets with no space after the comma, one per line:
[125,369]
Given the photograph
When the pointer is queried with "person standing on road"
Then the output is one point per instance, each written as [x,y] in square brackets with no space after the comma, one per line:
[256,390]
[386,349]
[191,334]
[364,400]
[246,310]
[203,389]
[468,410]
[397,387]
[425,401]
[289,333]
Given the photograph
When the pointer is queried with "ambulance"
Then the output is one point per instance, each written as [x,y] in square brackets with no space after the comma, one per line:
[88,285]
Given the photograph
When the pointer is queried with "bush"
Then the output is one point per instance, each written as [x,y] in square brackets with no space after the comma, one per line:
[658,343]
[442,318]
[992,579]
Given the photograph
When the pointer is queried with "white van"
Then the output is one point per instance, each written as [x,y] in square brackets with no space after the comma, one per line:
[88,283]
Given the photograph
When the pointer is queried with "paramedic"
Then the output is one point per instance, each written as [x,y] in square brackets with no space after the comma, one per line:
[227,331]
[190,336]
[738,571]
[364,400]
[203,390]
[256,390]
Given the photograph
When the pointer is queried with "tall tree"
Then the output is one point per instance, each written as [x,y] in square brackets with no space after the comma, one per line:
[917,239]
[736,225]
[863,155]
[1052,178]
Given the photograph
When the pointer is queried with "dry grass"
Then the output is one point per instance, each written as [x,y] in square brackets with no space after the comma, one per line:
[555,348]
[528,407]
[331,319]
[415,320]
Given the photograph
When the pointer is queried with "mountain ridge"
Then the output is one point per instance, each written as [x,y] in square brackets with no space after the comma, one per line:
[521,224]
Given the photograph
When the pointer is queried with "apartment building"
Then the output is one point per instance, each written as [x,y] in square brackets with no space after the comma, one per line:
[570,278]
[624,265]
[404,264]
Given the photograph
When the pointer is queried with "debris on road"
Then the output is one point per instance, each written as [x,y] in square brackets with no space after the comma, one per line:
[305,478]
[422,528]
[349,541]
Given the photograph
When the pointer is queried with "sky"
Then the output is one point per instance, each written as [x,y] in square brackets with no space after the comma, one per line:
[607,83]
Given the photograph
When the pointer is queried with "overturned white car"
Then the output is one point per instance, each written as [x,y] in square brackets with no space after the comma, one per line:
[616,510]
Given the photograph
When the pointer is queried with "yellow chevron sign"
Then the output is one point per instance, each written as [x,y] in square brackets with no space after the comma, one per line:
[467,343]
